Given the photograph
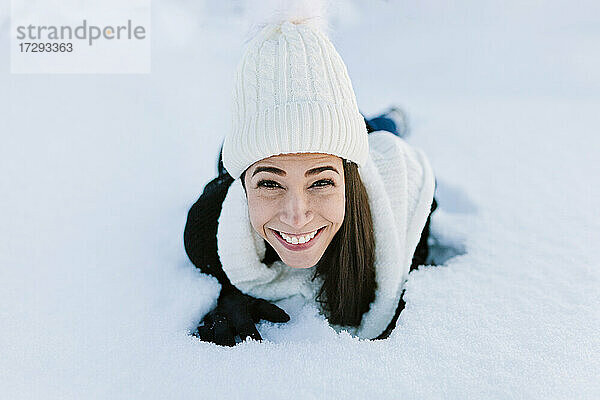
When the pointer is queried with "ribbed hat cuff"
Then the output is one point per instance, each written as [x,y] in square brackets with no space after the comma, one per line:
[302,127]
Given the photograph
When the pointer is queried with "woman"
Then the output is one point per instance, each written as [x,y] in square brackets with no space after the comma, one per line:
[310,200]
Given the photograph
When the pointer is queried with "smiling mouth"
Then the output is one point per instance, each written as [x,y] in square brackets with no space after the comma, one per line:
[298,240]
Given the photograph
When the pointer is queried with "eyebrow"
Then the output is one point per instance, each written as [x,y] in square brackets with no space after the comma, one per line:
[310,172]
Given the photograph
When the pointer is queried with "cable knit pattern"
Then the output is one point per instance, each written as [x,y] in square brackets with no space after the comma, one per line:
[400,183]
[292,94]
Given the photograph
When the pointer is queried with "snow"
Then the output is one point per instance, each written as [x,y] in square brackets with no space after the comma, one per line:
[98,173]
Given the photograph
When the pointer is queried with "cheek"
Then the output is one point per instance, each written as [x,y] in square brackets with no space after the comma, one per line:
[260,212]
[333,208]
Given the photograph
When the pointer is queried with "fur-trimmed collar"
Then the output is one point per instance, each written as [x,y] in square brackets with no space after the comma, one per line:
[400,185]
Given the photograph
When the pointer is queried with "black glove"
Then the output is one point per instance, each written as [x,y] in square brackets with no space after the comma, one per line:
[235,314]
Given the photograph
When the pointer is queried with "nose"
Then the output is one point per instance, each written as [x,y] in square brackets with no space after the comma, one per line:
[296,211]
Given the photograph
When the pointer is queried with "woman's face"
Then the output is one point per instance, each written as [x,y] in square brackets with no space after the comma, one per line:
[297,204]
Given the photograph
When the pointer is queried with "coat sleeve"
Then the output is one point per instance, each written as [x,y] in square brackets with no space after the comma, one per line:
[200,233]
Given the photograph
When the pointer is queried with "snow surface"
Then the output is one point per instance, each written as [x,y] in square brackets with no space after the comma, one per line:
[98,173]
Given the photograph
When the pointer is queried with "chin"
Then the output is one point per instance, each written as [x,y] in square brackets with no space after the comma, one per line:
[299,266]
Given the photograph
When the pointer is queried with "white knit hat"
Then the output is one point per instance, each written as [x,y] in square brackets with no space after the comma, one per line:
[292,94]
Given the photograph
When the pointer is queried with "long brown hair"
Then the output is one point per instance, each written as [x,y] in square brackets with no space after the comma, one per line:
[347,267]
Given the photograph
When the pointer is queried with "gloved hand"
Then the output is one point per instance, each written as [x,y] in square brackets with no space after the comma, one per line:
[235,314]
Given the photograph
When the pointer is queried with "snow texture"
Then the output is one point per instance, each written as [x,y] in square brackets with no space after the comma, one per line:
[98,173]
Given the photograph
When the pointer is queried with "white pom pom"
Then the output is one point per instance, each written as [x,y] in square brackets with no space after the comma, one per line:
[310,12]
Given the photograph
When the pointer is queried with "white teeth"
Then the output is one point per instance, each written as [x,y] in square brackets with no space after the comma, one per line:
[298,239]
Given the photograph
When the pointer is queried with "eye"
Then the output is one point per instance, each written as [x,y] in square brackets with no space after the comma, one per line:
[323,183]
[268,184]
